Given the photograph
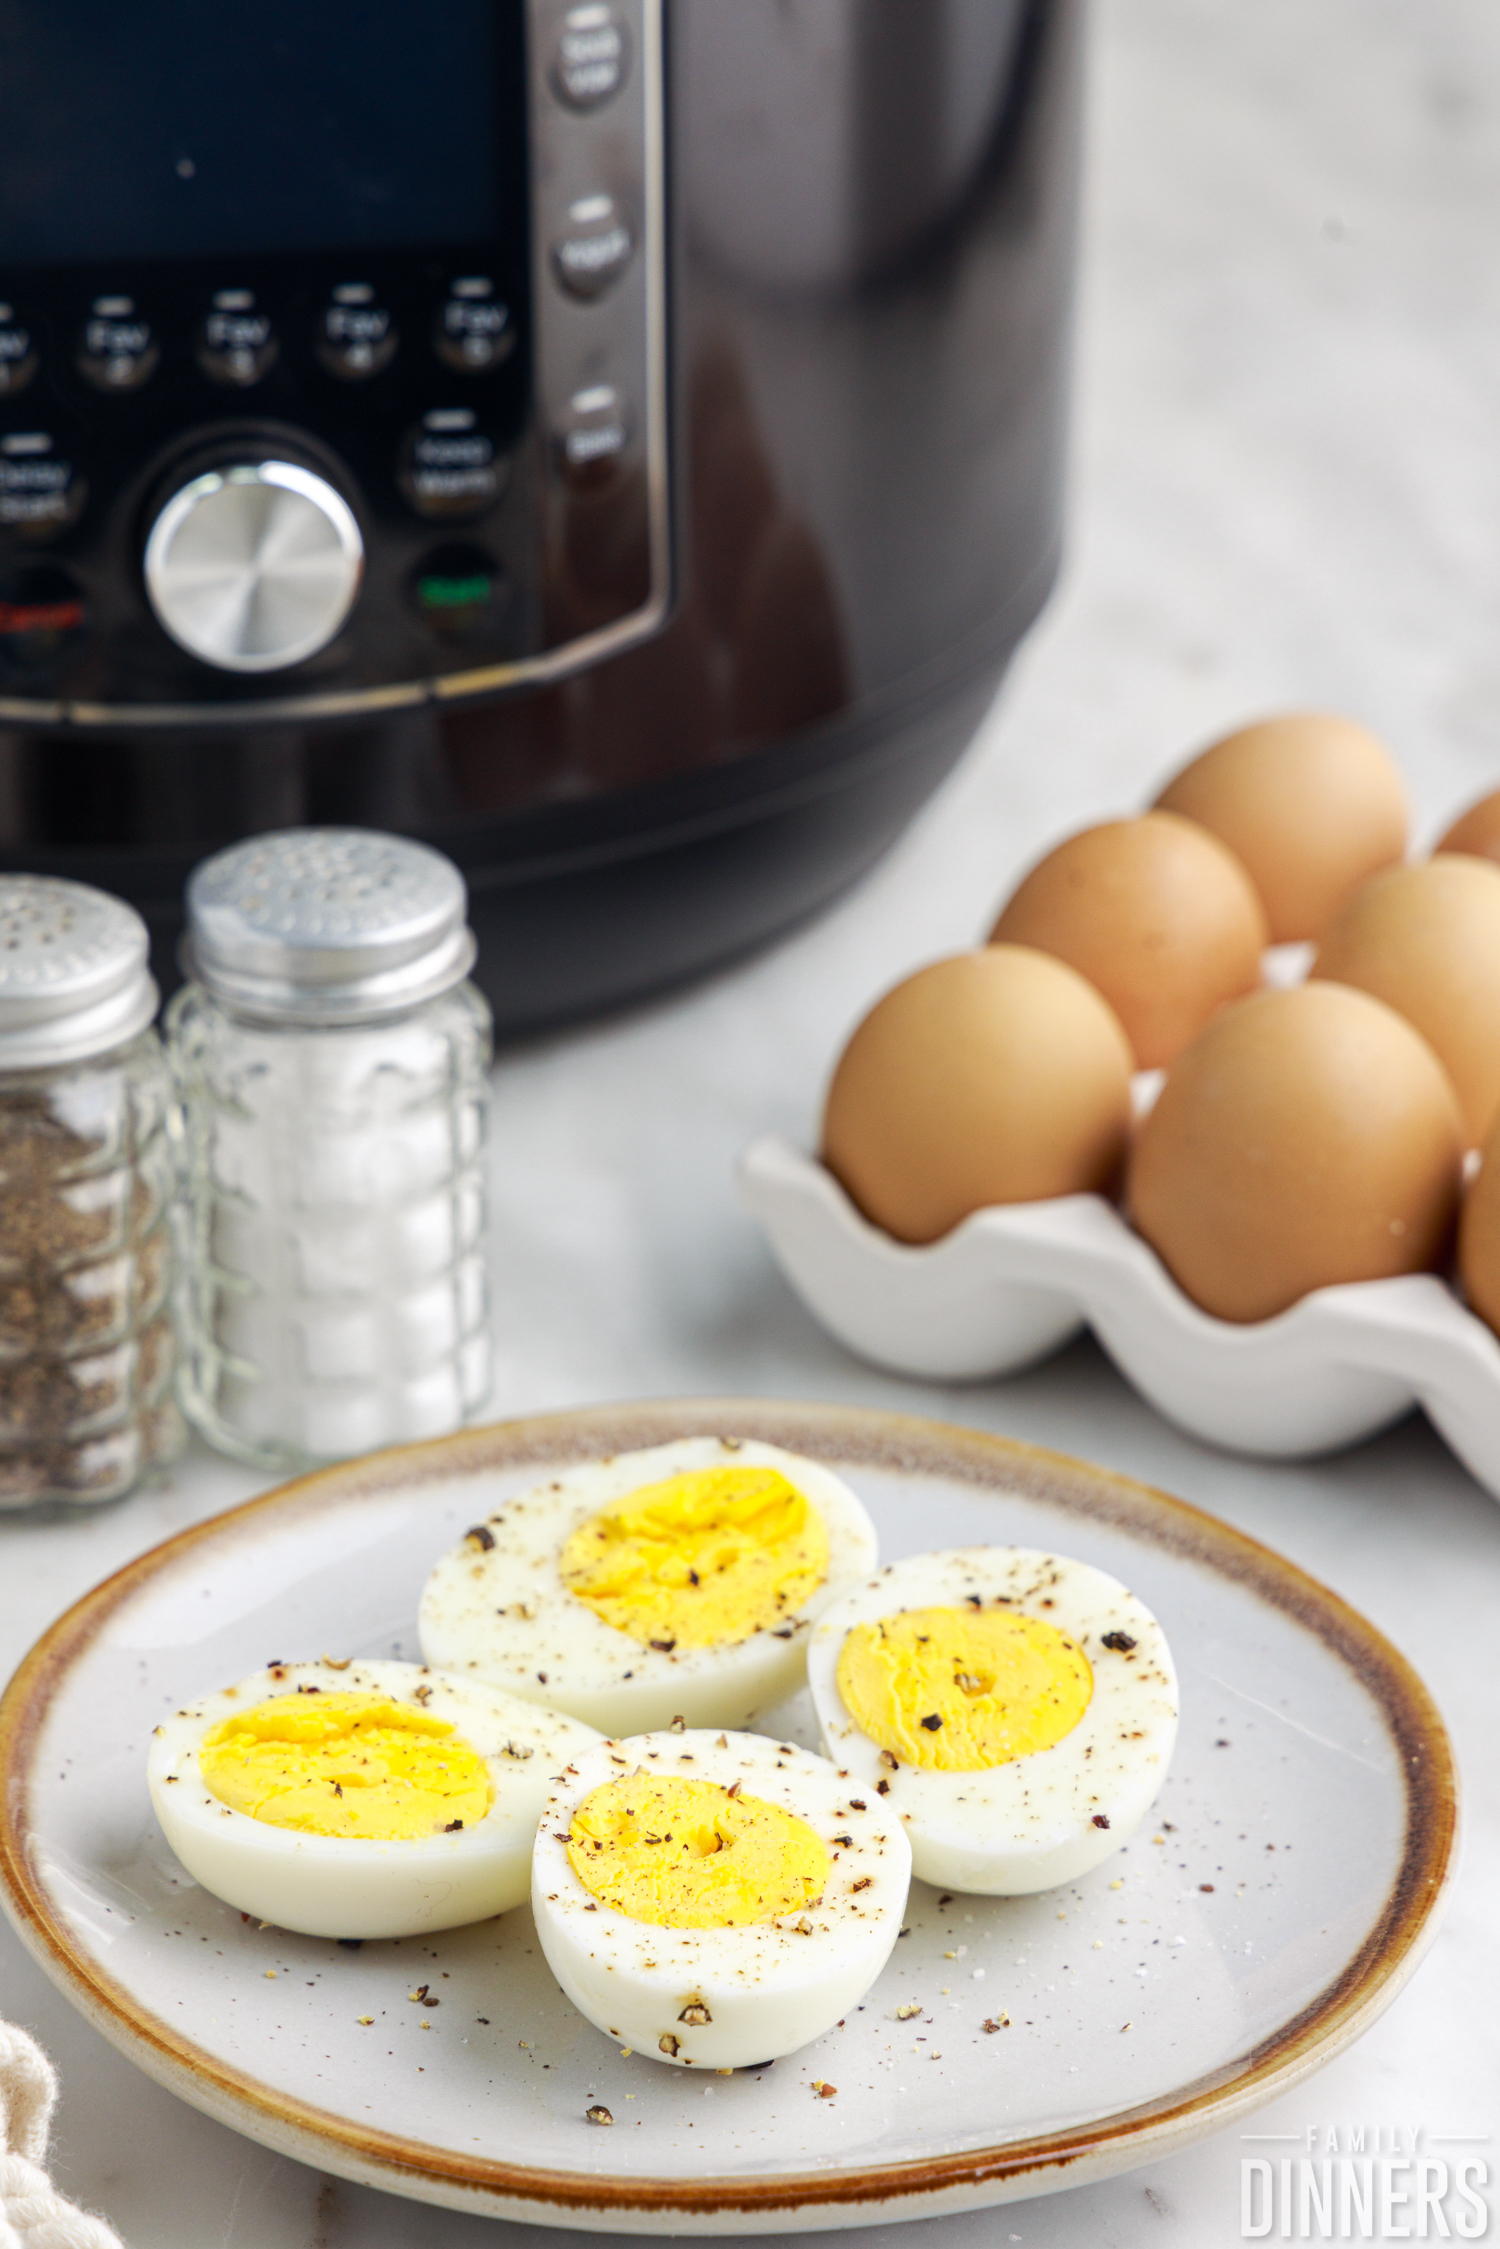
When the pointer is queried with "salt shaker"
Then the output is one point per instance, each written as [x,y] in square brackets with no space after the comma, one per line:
[331,1058]
[86,1346]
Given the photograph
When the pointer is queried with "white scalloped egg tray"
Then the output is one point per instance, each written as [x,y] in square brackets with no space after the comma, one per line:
[1013,1283]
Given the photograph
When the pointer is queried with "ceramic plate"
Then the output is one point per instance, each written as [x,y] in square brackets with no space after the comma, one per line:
[1277,1905]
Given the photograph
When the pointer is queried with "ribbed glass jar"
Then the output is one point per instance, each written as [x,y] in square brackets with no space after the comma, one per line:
[333,1215]
[87,1356]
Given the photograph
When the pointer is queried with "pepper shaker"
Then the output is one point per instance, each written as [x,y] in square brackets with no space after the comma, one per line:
[86,1346]
[331,1060]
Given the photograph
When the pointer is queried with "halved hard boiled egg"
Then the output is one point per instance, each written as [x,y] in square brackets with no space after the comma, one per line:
[715,1900]
[677,1582]
[1016,1709]
[359,1799]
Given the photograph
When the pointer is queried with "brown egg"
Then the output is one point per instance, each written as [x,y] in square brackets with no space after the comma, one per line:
[993,1077]
[1308,1137]
[1477,831]
[1479,1236]
[1426,940]
[1309,804]
[1156,914]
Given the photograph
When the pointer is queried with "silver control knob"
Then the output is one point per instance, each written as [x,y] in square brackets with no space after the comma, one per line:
[254,567]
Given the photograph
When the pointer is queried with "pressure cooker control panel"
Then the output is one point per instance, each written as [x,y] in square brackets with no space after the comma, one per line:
[346,408]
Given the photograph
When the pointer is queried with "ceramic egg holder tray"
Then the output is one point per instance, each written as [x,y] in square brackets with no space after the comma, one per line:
[1017,1281]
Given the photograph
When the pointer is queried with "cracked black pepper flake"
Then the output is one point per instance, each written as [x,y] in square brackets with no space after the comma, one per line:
[1100,1820]
[598,2114]
[932,1721]
[480,1537]
[453,1827]
[696,2014]
[1121,1642]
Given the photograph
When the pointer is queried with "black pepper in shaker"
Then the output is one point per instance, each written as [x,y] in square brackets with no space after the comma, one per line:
[87,1356]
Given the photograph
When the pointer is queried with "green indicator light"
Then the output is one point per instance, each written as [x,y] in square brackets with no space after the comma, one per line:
[453,593]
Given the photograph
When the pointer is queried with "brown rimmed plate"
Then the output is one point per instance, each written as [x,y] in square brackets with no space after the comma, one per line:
[1284,1896]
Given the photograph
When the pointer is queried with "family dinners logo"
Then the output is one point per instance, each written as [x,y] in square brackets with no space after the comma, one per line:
[1365,2182]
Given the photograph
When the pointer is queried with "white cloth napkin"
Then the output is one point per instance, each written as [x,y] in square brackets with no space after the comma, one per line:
[33,2215]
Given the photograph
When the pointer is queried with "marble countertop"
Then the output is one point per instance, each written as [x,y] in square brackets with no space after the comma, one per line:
[1287,492]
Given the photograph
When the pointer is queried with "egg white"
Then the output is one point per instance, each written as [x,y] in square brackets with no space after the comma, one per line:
[353,1886]
[1041,1819]
[767,1988]
[503,1613]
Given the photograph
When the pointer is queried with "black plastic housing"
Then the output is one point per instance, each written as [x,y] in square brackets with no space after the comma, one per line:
[870,248]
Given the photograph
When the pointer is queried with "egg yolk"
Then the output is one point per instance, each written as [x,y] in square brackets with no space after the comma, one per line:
[346,1764]
[686,1854]
[956,1690]
[700,1561]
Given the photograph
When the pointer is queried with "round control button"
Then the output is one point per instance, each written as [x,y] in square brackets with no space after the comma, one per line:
[449,468]
[18,352]
[41,611]
[236,344]
[117,350]
[356,336]
[456,591]
[474,331]
[254,567]
[591,435]
[40,493]
[596,249]
[592,59]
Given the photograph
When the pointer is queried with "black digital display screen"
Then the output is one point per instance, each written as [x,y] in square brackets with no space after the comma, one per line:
[148,129]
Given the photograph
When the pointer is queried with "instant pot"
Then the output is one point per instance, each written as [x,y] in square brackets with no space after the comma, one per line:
[617,442]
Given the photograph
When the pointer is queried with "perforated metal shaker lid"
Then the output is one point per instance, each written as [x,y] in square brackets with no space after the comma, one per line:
[327,925]
[73,974]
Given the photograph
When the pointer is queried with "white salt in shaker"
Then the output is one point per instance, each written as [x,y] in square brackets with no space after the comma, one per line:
[331,1059]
